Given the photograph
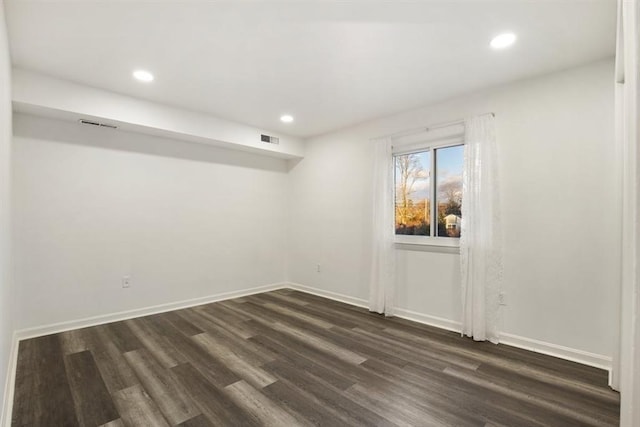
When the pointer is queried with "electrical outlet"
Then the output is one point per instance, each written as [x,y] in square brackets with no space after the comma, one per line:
[318,268]
[502,298]
[126,282]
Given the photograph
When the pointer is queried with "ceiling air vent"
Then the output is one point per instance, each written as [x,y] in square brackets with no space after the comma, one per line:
[98,124]
[269,139]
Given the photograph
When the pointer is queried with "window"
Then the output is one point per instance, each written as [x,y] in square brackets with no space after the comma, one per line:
[413,193]
[428,194]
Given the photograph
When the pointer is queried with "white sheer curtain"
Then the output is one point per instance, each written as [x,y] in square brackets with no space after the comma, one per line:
[382,285]
[480,242]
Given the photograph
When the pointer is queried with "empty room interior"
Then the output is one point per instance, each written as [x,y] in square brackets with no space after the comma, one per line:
[295,213]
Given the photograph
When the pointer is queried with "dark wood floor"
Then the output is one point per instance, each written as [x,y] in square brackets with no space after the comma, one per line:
[287,358]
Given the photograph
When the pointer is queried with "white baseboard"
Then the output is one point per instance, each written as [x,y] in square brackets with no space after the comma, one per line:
[575,355]
[138,312]
[438,322]
[555,350]
[359,302]
[7,406]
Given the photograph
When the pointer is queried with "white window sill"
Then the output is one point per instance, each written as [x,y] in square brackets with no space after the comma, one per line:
[428,244]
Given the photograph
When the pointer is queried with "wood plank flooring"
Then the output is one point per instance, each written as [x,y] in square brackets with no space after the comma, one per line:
[287,358]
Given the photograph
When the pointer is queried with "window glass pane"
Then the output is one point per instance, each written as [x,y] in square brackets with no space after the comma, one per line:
[412,198]
[449,163]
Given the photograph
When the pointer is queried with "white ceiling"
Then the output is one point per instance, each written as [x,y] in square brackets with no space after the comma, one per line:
[330,64]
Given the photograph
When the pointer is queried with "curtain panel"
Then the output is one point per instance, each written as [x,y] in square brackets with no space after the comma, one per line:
[481,240]
[383,268]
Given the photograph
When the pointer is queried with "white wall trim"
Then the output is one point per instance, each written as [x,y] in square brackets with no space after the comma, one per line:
[438,322]
[9,387]
[555,350]
[559,351]
[628,57]
[138,312]
[359,302]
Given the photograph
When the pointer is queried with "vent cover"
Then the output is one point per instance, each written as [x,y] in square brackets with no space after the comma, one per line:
[92,123]
[269,139]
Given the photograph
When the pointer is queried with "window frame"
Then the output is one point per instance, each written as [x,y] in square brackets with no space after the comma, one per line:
[430,145]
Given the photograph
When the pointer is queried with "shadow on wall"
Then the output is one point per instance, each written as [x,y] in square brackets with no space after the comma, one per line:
[115,139]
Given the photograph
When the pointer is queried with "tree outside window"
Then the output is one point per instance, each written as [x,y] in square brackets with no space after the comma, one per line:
[417,195]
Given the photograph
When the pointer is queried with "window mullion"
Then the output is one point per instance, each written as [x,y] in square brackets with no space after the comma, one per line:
[432,194]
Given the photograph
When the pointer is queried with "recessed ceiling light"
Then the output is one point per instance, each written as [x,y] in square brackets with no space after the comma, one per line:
[503,40]
[143,76]
[286,118]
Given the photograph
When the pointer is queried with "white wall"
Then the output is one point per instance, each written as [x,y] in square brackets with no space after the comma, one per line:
[560,210]
[184,220]
[188,220]
[6,297]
